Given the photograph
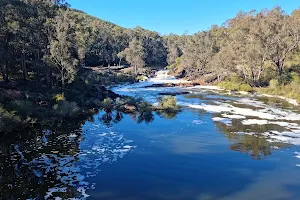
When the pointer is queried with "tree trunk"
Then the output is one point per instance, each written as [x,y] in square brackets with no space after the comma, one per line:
[279,67]
[120,62]
[50,78]
[2,71]
[62,79]
[6,80]
[24,69]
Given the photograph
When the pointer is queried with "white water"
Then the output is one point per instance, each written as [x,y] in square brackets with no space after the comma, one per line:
[249,111]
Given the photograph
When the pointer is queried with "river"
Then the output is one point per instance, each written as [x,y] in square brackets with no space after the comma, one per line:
[221,146]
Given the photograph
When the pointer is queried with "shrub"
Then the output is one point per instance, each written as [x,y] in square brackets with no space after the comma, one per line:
[285,78]
[273,83]
[234,86]
[246,88]
[65,108]
[59,97]
[23,108]
[107,104]
[141,78]
[169,103]
[8,120]
[295,77]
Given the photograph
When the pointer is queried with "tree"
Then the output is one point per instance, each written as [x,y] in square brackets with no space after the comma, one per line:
[282,35]
[135,54]
[62,49]
[199,50]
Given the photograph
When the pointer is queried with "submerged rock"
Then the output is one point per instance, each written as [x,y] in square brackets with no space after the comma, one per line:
[173,93]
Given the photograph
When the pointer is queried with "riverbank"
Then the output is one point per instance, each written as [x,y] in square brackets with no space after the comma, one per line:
[37,105]
[29,104]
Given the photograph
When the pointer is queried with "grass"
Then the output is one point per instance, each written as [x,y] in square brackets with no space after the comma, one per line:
[291,90]
[286,86]
[233,86]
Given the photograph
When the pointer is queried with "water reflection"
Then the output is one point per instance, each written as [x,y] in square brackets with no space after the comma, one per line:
[63,161]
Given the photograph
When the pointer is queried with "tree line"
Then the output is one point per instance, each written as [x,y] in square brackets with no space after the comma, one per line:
[46,41]
[255,46]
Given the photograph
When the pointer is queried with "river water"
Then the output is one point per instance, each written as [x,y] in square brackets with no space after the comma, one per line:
[221,146]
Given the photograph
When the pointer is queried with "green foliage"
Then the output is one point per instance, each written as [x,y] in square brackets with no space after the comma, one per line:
[273,84]
[169,103]
[107,104]
[65,108]
[23,108]
[289,90]
[59,97]
[176,64]
[233,86]
[8,120]
[235,83]
[141,78]
[246,88]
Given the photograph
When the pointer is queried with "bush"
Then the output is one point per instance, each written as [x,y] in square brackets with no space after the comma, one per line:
[246,88]
[176,64]
[23,108]
[141,78]
[65,108]
[169,103]
[285,78]
[234,86]
[8,120]
[107,104]
[59,97]
[273,84]
[229,85]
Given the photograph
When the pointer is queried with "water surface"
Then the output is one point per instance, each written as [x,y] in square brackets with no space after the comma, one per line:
[221,146]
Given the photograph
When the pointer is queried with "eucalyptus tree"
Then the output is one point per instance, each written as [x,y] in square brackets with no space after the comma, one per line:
[135,54]
[61,48]
[200,49]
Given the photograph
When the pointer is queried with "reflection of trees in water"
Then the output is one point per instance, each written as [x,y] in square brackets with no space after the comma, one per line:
[255,144]
[110,118]
[21,177]
[167,114]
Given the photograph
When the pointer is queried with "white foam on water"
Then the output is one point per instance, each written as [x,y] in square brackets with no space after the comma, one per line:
[254,121]
[268,113]
[55,190]
[198,122]
[234,116]
[226,121]
[206,87]
[163,77]
[101,146]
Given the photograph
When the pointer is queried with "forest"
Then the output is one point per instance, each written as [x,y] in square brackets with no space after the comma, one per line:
[49,53]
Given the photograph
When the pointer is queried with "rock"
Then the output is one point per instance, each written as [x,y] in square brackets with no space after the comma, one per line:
[161,85]
[173,93]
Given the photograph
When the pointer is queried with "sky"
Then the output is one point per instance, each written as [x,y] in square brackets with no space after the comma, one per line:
[174,16]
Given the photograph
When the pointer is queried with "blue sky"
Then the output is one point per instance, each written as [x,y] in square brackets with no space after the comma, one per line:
[174,16]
